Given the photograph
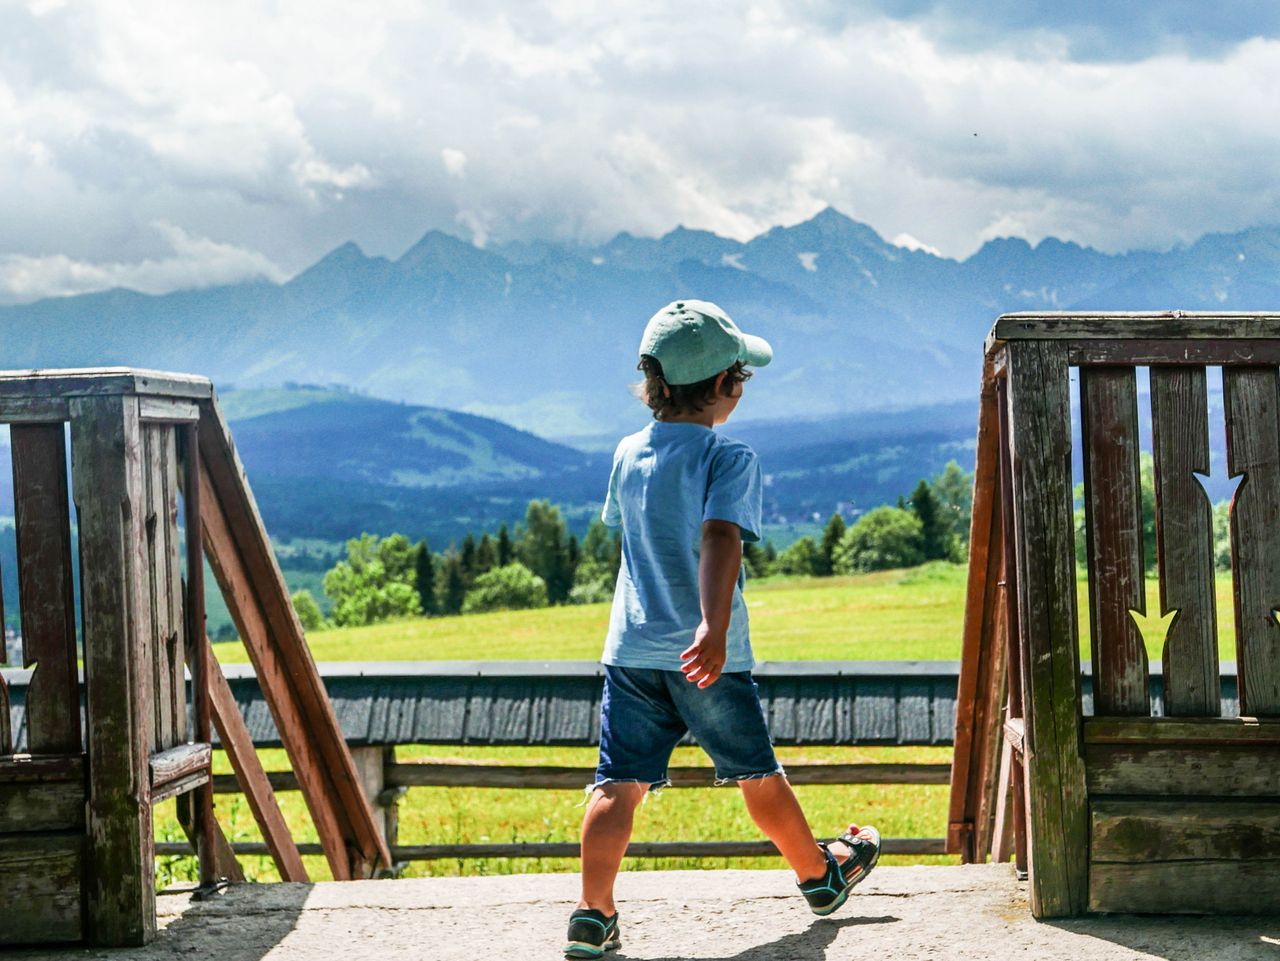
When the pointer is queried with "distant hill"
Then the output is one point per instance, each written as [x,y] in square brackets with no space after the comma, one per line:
[542,335]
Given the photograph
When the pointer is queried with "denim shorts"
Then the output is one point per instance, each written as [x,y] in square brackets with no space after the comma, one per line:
[646,712]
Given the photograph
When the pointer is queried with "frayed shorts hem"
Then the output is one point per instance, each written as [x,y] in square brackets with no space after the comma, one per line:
[735,778]
[654,786]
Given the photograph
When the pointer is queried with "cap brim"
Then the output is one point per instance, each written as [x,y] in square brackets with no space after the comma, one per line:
[756,351]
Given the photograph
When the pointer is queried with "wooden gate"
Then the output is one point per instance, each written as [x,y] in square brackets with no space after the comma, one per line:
[76,841]
[1122,810]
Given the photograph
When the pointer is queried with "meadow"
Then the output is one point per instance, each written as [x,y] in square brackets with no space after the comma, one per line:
[915,614]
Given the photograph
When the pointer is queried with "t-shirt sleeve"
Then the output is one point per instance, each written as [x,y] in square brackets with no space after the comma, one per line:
[734,490]
[612,513]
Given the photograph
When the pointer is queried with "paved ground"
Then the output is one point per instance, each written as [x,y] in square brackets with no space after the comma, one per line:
[967,913]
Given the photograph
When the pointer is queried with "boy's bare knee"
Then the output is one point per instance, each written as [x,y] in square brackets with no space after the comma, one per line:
[629,791]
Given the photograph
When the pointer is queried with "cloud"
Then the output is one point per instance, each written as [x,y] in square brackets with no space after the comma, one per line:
[289,129]
[194,262]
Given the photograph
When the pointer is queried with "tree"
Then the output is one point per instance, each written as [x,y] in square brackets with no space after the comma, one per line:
[882,538]
[506,553]
[451,585]
[830,539]
[934,537]
[486,555]
[309,614]
[467,556]
[542,549]
[953,488]
[375,582]
[596,574]
[513,587]
[424,579]
[753,559]
[770,552]
[801,559]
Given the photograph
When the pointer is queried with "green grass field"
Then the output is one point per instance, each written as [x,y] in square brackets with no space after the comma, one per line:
[894,615]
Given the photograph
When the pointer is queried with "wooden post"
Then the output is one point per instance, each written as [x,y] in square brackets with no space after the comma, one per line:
[371,764]
[1044,533]
[119,888]
[202,801]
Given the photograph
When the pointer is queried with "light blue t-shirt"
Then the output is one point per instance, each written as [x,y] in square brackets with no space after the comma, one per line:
[666,480]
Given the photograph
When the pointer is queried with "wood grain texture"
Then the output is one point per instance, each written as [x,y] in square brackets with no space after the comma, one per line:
[40,887]
[168,410]
[242,603]
[1136,831]
[1184,541]
[106,450]
[251,778]
[1173,353]
[43,526]
[33,410]
[162,693]
[47,806]
[1137,325]
[179,761]
[1201,731]
[1040,419]
[1183,770]
[1251,398]
[1186,887]
[100,382]
[229,487]
[981,683]
[1113,535]
[171,592]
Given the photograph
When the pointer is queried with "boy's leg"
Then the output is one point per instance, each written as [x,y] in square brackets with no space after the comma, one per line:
[606,830]
[777,812]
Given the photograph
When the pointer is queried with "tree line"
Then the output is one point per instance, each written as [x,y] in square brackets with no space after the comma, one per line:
[542,563]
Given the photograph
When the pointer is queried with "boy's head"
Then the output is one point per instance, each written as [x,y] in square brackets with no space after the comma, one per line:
[685,347]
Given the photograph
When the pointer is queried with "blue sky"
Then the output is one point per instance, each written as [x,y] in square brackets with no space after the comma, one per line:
[160,145]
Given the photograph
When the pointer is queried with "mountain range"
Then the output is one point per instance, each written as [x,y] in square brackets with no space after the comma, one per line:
[542,335]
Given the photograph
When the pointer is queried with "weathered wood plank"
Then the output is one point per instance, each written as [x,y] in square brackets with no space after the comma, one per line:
[1040,420]
[1186,887]
[177,762]
[48,806]
[1113,533]
[37,769]
[40,887]
[99,382]
[982,660]
[33,410]
[169,566]
[1136,325]
[43,527]
[251,778]
[1142,830]
[1251,396]
[110,504]
[168,410]
[362,842]
[1184,540]
[1213,770]
[1172,353]
[162,699]
[1204,731]
[242,603]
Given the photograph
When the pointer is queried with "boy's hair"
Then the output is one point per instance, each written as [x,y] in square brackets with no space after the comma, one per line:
[663,398]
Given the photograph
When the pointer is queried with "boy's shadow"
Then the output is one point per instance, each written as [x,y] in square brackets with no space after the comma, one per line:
[808,945]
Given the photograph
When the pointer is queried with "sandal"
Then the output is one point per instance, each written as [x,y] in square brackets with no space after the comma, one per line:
[828,892]
[591,934]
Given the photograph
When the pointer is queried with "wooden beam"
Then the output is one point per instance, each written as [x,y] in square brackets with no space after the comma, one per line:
[40,882]
[1136,325]
[1169,730]
[106,451]
[1040,420]
[299,681]
[1172,353]
[1185,770]
[100,382]
[251,778]
[43,527]
[179,762]
[168,410]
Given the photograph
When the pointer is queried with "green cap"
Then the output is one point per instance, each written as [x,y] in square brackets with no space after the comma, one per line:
[695,339]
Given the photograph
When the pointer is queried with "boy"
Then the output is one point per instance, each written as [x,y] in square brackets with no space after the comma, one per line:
[677,656]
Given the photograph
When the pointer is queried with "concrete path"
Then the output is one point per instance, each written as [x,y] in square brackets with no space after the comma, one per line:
[967,913]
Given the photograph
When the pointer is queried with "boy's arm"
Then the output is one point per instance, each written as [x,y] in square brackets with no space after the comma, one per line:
[718,567]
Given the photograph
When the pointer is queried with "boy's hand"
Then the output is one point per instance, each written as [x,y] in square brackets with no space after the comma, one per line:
[703,660]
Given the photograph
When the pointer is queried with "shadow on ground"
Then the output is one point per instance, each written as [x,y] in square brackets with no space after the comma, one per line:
[1184,937]
[808,945]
